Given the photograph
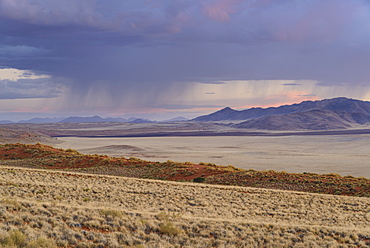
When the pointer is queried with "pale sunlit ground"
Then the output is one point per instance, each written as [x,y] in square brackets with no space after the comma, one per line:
[342,154]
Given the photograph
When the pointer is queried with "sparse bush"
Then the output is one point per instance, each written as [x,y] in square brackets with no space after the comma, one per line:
[14,238]
[332,175]
[211,164]
[199,179]
[110,212]
[42,242]
[104,162]
[71,150]
[169,229]
[12,202]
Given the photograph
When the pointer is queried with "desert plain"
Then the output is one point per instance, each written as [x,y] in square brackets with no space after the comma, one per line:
[345,152]
[342,154]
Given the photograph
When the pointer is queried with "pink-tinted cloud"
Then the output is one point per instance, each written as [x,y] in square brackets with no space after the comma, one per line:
[282,98]
[220,10]
[315,21]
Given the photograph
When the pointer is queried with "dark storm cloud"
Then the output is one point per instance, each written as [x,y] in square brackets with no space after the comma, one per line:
[147,45]
[29,88]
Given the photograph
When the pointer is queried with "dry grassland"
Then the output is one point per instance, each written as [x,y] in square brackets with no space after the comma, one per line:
[48,209]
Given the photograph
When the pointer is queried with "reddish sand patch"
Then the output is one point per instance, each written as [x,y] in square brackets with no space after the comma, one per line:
[196,170]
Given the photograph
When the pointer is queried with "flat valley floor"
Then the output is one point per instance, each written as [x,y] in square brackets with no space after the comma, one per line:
[342,154]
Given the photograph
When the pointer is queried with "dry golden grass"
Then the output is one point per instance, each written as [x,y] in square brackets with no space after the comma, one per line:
[50,208]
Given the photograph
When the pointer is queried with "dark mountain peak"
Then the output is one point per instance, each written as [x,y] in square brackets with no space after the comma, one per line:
[141,120]
[341,98]
[223,114]
[226,109]
[77,119]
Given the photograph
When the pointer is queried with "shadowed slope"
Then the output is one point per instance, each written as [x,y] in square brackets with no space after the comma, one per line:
[311,120]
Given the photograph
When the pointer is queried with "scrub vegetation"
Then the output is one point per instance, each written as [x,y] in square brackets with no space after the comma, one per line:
[46,157]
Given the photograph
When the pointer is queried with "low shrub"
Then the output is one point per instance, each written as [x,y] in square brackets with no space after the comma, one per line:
[169,229]
[14,238]
[199,179]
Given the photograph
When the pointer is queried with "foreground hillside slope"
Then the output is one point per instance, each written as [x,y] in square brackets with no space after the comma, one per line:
[49,208]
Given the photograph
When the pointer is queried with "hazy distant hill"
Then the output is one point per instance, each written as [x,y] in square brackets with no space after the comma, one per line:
[140,120]
[77,119]
[180,118]
[6,122]
[340,104]
[42,120]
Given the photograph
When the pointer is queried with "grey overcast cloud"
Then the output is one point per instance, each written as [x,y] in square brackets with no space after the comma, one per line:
[165,58]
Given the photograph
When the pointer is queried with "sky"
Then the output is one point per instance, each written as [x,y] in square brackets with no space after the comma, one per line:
[160,59]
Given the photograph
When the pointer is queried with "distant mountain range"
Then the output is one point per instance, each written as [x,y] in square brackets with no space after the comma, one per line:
[327,114]
[77,119]
[336,113]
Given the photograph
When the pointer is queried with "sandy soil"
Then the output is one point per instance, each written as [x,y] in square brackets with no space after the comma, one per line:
[342,154]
